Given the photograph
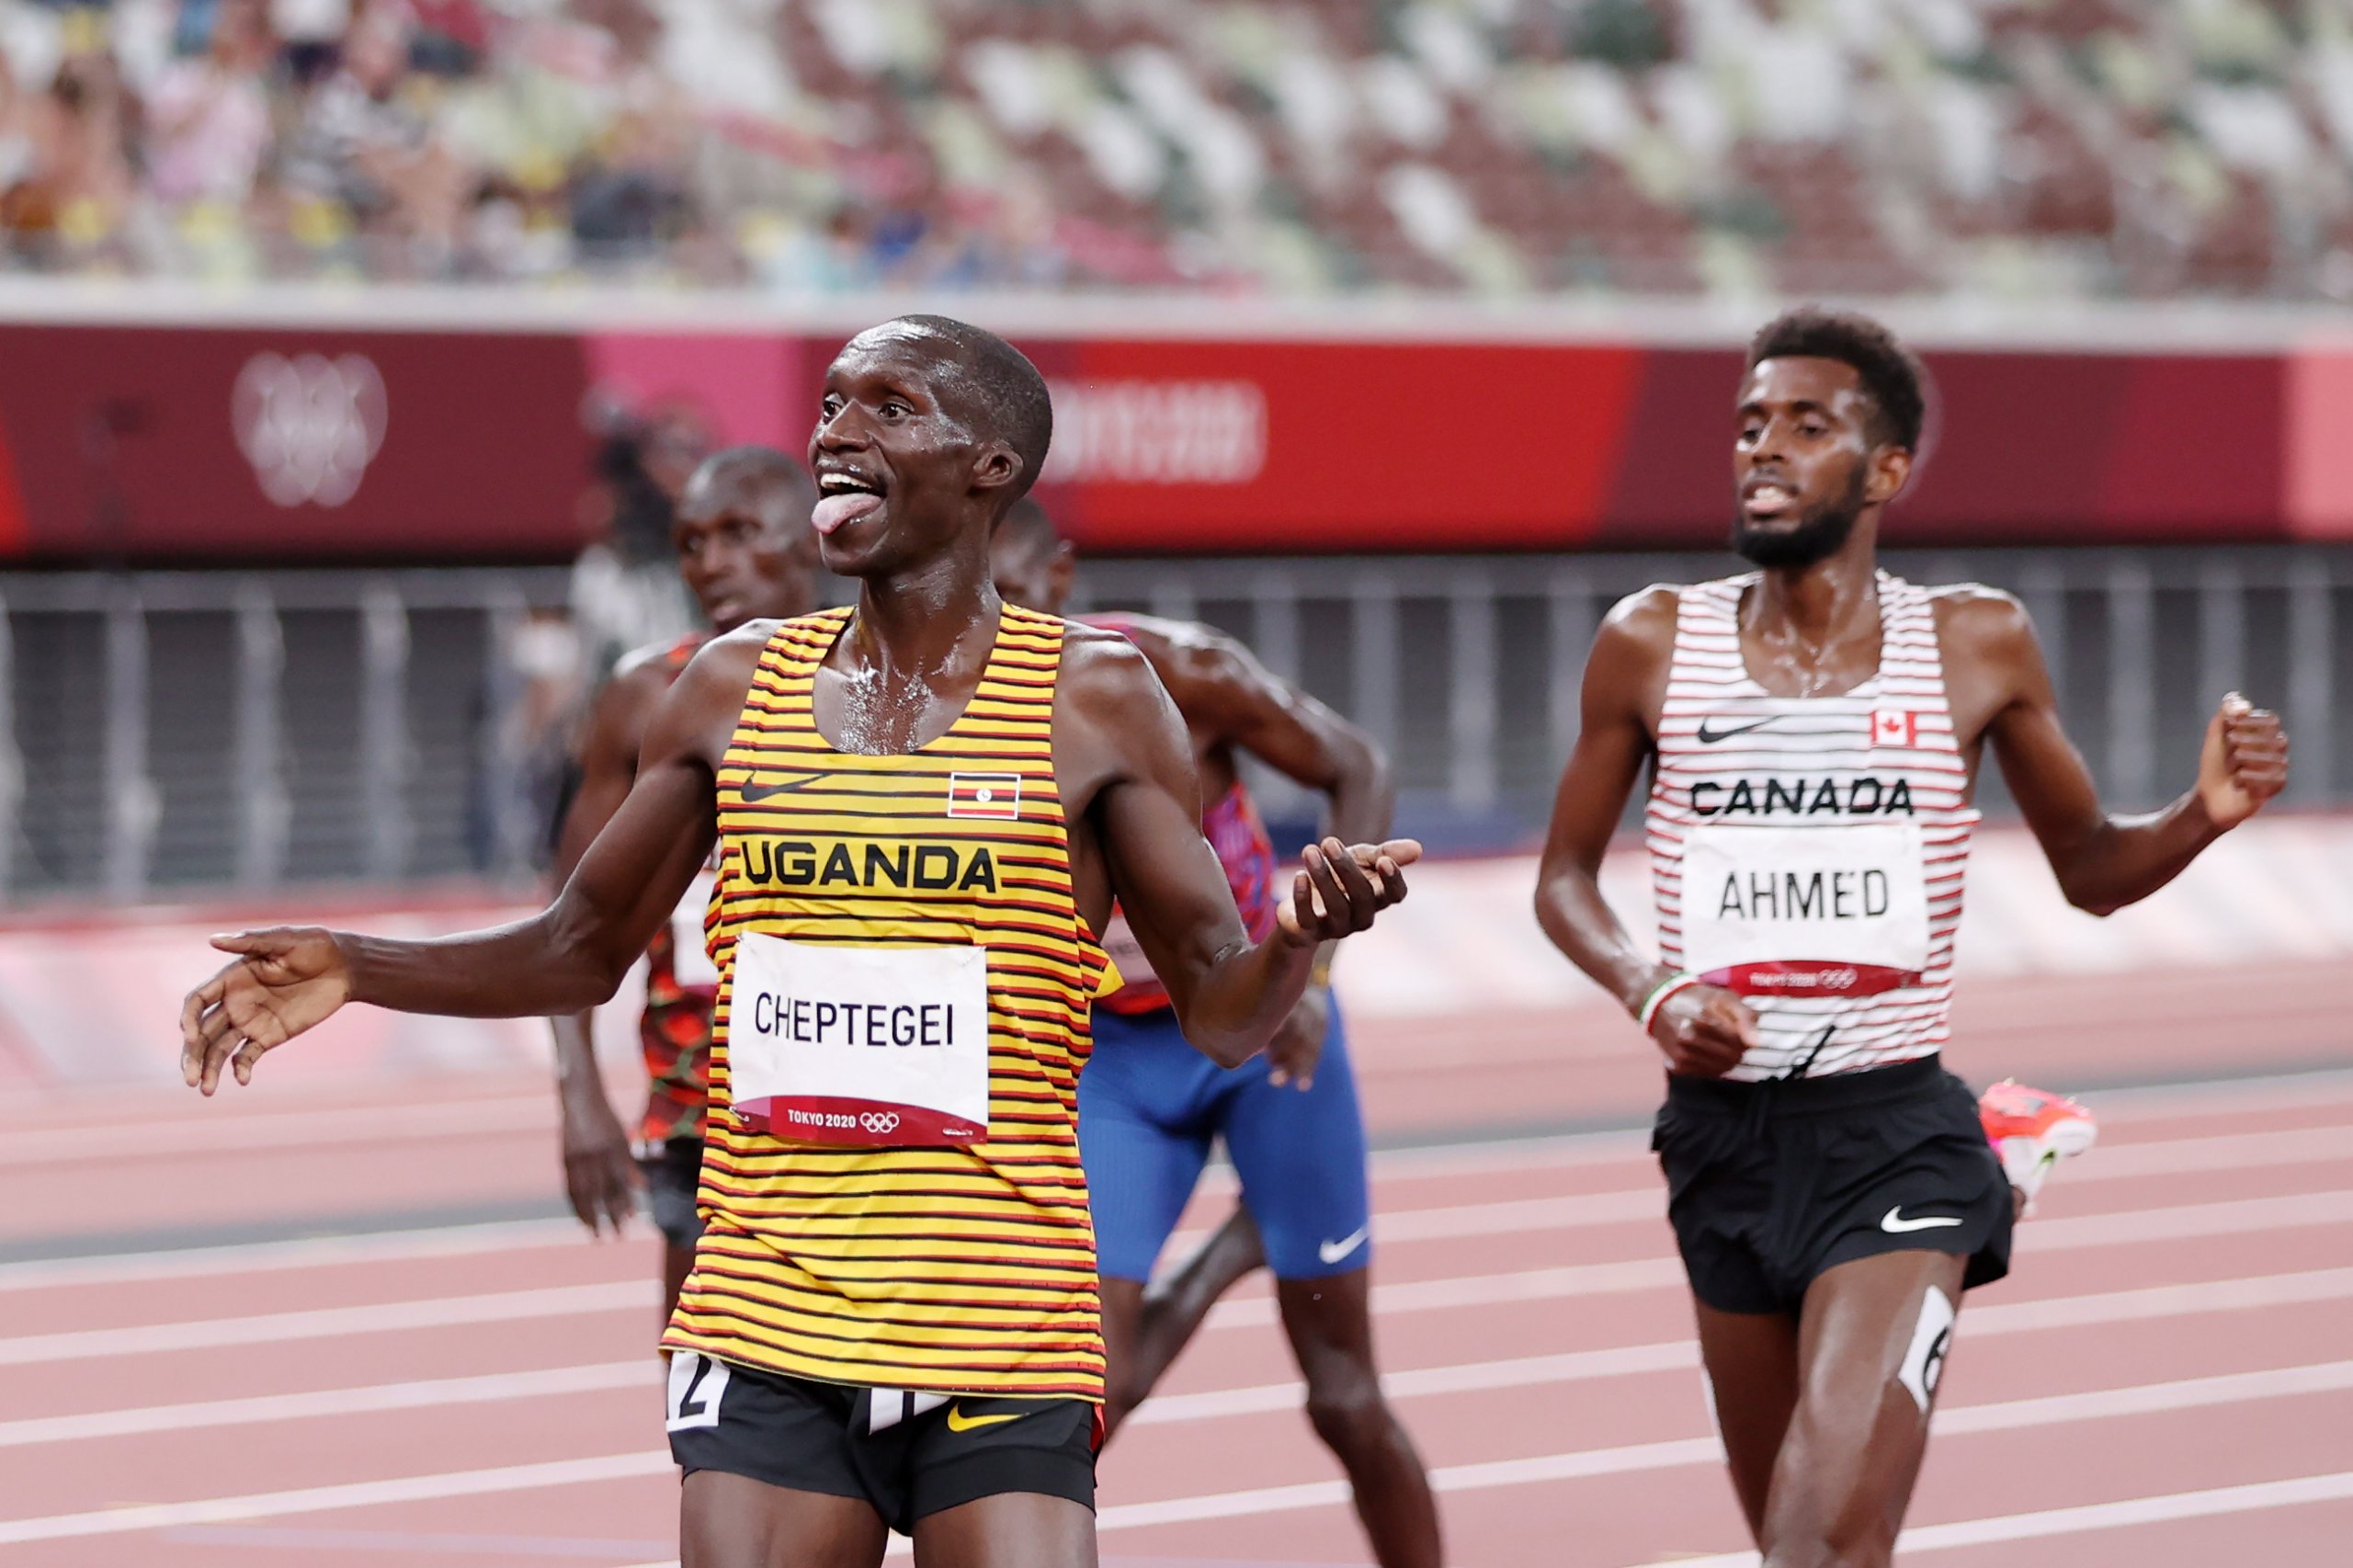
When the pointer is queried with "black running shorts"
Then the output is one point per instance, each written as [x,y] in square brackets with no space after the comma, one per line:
[1769,1185]
[903,1454]
[673,1170]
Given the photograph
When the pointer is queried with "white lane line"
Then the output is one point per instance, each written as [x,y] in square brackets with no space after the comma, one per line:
[323,1499]
[2165,1507]
[304,1252]
[2179,1223]
[431,1393]
[2186,1393]
[2126,1227]
[2218,1152]
[1580,1366]
[1422,1295]
[1521,1216]
[2251,1151]
[335,1128]
[324,1323]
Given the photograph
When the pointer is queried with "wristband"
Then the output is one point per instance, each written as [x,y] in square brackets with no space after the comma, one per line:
[1673,985]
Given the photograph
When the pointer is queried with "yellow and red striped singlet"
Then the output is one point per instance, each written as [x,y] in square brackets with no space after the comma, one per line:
[945,1268]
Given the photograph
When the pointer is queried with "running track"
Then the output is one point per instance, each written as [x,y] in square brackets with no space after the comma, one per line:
[2166,1380]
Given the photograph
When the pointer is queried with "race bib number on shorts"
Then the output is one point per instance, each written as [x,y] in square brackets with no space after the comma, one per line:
[1820,911]
[880,1046]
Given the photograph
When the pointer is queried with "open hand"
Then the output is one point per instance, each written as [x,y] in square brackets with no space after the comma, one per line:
[2244,761]
[600,1177]
[288,978]
[1341,887]
[1298,1046]
[1705,1030]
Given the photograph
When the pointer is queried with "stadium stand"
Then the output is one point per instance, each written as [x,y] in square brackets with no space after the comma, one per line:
[2006,148]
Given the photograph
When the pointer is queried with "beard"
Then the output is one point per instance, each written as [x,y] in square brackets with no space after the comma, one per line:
[1821,532]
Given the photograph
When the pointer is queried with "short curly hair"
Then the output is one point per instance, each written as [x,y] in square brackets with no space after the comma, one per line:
[1890,372]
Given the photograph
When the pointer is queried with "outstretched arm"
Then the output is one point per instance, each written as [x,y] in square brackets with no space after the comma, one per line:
[1701,1029]
[600,1178]
[569,956]
[2102,862]
[1119,740]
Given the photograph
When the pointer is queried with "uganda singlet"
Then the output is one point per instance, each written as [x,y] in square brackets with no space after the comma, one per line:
[1809,852]
[904,966]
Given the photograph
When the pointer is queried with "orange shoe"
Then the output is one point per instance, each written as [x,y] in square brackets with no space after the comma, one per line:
[2033,1130]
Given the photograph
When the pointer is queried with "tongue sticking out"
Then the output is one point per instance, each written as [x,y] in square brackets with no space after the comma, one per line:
[848,507]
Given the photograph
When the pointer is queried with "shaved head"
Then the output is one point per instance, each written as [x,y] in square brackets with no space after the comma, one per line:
[992,385]
[758,480]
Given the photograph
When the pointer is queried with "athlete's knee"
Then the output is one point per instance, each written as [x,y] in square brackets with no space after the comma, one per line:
[1345,1406]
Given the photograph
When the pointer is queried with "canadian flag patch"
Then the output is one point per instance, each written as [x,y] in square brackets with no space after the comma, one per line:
[995,795]
[1894,727]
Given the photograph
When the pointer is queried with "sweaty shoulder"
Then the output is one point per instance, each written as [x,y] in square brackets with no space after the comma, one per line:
[1101,667]
[1978,623]
[714,681]
[1639,630]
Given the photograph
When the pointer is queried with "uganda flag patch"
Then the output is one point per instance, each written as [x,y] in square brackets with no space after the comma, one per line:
[995,795]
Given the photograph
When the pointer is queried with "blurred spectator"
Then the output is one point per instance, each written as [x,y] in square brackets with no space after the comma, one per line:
[208,121]
[625,588]
[2006,147]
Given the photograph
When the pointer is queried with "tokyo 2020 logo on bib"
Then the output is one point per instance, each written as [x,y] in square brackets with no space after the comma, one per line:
[310,425]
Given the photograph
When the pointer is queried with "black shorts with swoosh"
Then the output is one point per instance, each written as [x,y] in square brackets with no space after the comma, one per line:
[925,1457]
[1769,1185]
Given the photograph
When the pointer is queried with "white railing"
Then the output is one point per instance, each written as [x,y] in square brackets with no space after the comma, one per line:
[178,732]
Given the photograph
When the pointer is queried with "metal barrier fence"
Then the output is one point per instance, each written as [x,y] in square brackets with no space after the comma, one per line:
[167,733]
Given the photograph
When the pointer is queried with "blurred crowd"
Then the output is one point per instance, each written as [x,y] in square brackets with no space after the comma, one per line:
[2020,148]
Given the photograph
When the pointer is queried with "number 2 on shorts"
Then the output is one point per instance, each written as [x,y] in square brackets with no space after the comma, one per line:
[695,1384]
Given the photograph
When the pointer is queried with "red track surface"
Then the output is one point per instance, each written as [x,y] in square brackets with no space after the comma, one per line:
[2172,1345]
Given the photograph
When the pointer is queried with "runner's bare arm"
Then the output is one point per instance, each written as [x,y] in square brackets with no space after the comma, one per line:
[2001,692]
[1220,686]
[600,1177]
[1701,1030]
[1124,761]
[570,954]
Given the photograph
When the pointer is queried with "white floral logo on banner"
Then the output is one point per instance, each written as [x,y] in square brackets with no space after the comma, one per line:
[309,425]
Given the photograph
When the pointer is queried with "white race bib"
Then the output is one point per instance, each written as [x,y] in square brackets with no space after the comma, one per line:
[884,1046]
[1819,911]
[690,958]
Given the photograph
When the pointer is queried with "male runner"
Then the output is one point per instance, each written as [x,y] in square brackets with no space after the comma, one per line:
[1813,731]
[925,806]
[1150,1105]
[746,552]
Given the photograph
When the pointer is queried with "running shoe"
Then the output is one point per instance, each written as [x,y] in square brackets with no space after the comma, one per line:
[2033,1130]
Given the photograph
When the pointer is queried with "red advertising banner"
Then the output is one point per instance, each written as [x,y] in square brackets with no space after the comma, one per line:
[166,443]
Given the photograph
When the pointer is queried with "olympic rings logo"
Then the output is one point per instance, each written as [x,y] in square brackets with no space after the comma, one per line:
[879,1121]
[309,425]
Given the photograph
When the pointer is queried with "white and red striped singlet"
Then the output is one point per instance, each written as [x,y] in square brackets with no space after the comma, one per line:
[1809,852]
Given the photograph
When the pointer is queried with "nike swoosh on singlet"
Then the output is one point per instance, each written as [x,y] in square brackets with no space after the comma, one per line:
[1710,737]
[1331,1252]
[1896,1224]
[960,1422]
[754,793]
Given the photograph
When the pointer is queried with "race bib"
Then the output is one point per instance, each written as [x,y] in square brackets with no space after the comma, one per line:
[690,958]
[881,1045]
[1825,911]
